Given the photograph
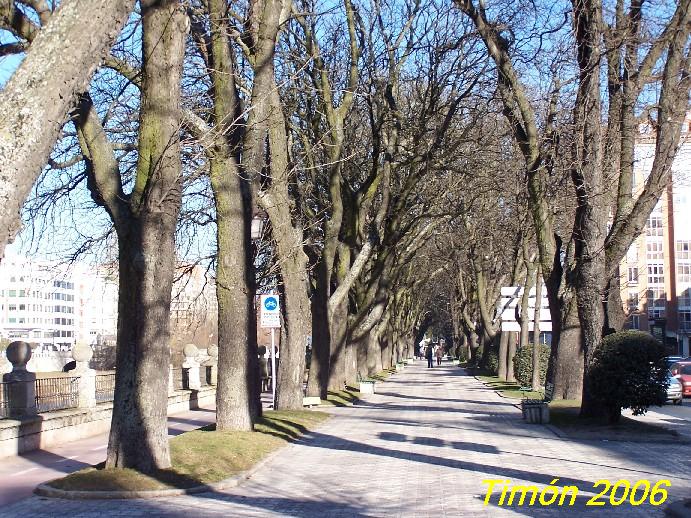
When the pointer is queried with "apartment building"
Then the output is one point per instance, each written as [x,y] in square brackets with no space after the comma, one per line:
[37,303]
[656,273]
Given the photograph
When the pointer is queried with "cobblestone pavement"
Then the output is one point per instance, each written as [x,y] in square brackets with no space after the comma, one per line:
[420,447]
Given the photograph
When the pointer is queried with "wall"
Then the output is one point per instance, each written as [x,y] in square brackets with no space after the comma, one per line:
[45,430]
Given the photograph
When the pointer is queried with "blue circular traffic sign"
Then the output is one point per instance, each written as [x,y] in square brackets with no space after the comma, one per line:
[270,303]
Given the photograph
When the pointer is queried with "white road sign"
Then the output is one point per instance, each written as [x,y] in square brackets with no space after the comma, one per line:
[511,301]
[270,311]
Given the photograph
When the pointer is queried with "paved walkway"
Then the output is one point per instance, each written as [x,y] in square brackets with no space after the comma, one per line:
[421,447]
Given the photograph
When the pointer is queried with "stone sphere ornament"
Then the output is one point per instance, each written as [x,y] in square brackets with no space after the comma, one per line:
[82,353]
[190,351]
[212,351]
[19,354]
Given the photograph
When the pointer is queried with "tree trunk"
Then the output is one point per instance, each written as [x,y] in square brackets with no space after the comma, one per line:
[298,323]
[318,380]
[238,403]
[565,370]
[537,345]
[139,430]
[503,353]
[338,329]
[510,376]
[591,217]
[37,98]
[238,390]
[614,314]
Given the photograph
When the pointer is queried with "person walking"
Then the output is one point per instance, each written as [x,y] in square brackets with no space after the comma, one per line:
[429,354]
[439,353]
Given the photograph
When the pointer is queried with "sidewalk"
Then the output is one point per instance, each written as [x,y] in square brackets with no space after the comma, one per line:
[21,474]
[420,447]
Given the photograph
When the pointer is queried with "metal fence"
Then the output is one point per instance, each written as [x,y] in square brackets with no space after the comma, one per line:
[105,387]
[4,401]
[56,393]
[205,375]
[180,379]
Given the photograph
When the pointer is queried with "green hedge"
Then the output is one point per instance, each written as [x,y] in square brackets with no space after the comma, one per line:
[523,364]
[628,370]
[492,362]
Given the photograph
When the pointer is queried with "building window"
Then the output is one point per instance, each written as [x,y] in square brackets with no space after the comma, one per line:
[22,307]
[656,297]
[635,322]
[633,275]
[12,320]
[12,307]
[12,293]
[654,250]
[633,300]
[685,320]
[683,249]
[656,274]
[654,227]
[22,293]
[655,313]
[684,273]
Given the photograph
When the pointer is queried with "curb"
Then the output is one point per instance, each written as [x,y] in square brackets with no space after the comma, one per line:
[234,481]
[680,509]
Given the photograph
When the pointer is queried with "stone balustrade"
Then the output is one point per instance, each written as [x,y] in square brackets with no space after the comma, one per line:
[21,393]
[35,416]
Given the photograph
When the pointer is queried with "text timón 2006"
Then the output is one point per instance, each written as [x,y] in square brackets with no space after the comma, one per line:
[610,493]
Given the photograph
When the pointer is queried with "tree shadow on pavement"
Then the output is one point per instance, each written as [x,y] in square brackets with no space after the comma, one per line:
[54,461]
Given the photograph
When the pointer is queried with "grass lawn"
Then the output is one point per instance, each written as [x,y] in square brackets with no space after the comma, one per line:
[202,456]
[564,414]
[341,397]
[383,375]
[509,389]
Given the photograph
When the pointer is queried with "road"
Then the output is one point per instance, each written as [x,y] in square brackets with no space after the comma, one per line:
[676,417]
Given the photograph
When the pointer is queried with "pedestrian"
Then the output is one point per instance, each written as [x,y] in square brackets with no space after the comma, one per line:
[439,353]
[264,368]
[429,354]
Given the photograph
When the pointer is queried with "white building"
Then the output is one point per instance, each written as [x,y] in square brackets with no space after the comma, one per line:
[97,304]
[57,305]
[37,302]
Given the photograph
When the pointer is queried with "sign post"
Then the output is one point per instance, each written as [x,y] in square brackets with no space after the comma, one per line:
[270,317]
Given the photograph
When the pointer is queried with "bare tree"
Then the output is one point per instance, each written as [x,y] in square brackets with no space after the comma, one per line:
[61,58]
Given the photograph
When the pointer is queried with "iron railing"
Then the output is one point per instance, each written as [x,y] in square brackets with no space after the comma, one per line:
[105,387]
[180,379]
[56,394]
[4,400]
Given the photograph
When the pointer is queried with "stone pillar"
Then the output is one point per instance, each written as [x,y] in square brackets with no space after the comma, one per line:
[21,384]
[82,354]
[213,361]
[171,380]
[192,366]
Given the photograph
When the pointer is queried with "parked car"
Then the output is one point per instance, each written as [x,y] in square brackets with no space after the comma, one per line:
[674,391]
[671,360]
[682,371]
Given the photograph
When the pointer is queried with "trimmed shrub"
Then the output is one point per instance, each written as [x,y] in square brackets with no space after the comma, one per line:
[628,370]
[523,364]
[492,362]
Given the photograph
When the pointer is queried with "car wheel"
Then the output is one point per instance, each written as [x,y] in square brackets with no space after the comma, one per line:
[679,401]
